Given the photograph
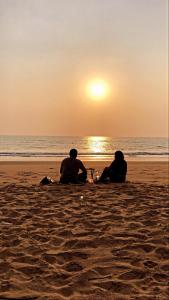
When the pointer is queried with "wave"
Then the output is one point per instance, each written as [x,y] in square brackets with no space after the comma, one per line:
[92,154]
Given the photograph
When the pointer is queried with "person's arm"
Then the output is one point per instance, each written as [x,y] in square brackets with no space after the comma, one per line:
[124,172]
[61,167]
[82,167]
[110,167]
[125,168]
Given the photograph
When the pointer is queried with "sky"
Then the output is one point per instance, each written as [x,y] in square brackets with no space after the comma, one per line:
[50,50]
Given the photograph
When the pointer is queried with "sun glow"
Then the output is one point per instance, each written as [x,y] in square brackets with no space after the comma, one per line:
[97,143]
[97,89]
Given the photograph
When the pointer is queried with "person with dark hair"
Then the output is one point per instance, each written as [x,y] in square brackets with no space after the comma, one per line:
[117,171]
[70,167]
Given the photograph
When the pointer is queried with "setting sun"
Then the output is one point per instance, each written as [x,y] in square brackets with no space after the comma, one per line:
[97,89]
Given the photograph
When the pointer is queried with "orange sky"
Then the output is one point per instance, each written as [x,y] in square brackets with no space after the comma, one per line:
[50,50]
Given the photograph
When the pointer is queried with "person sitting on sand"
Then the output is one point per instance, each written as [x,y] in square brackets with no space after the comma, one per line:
[117,171]
[70,167]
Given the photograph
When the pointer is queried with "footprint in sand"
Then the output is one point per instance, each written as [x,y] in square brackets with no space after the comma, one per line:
[116,286]
[26,259]
[79,244]
[66,291]
[71,255]
[162,252]
[165,267]
[73,267]
[4,267]
[63,257]
[30,270]
[150,264]
[65,233]
[57,241]
[161,277]
[136,274]
[49,258]
[58,279]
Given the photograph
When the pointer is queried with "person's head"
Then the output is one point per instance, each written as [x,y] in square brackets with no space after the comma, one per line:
[119,155]
[73,153]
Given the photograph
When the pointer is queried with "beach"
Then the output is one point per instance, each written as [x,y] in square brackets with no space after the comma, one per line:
[84,242]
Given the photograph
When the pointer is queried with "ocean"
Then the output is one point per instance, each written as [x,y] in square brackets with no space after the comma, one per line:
[45,148]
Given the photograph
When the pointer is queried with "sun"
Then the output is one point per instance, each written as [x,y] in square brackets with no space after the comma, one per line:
[97,89]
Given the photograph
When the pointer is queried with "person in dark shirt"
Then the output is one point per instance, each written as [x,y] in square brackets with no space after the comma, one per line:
[117,171]
[70,167]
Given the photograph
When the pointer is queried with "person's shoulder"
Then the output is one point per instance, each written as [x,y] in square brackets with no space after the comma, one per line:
[65,159]
[79,161]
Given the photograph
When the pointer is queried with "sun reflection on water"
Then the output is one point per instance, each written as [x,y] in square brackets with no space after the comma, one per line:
[97,144]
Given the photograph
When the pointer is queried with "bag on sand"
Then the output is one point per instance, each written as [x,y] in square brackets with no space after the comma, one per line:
[46,180]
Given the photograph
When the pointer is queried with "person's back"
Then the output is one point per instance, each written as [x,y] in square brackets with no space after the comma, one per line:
[117,171]
[70,167]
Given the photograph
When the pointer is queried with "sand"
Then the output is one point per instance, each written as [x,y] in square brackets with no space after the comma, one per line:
[84,242]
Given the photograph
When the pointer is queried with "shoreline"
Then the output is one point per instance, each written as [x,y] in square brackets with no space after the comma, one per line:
[84,158]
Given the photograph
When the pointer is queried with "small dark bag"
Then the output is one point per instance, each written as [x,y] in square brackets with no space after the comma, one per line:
[45,181]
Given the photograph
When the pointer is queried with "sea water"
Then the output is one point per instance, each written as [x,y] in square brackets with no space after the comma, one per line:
[44,148]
